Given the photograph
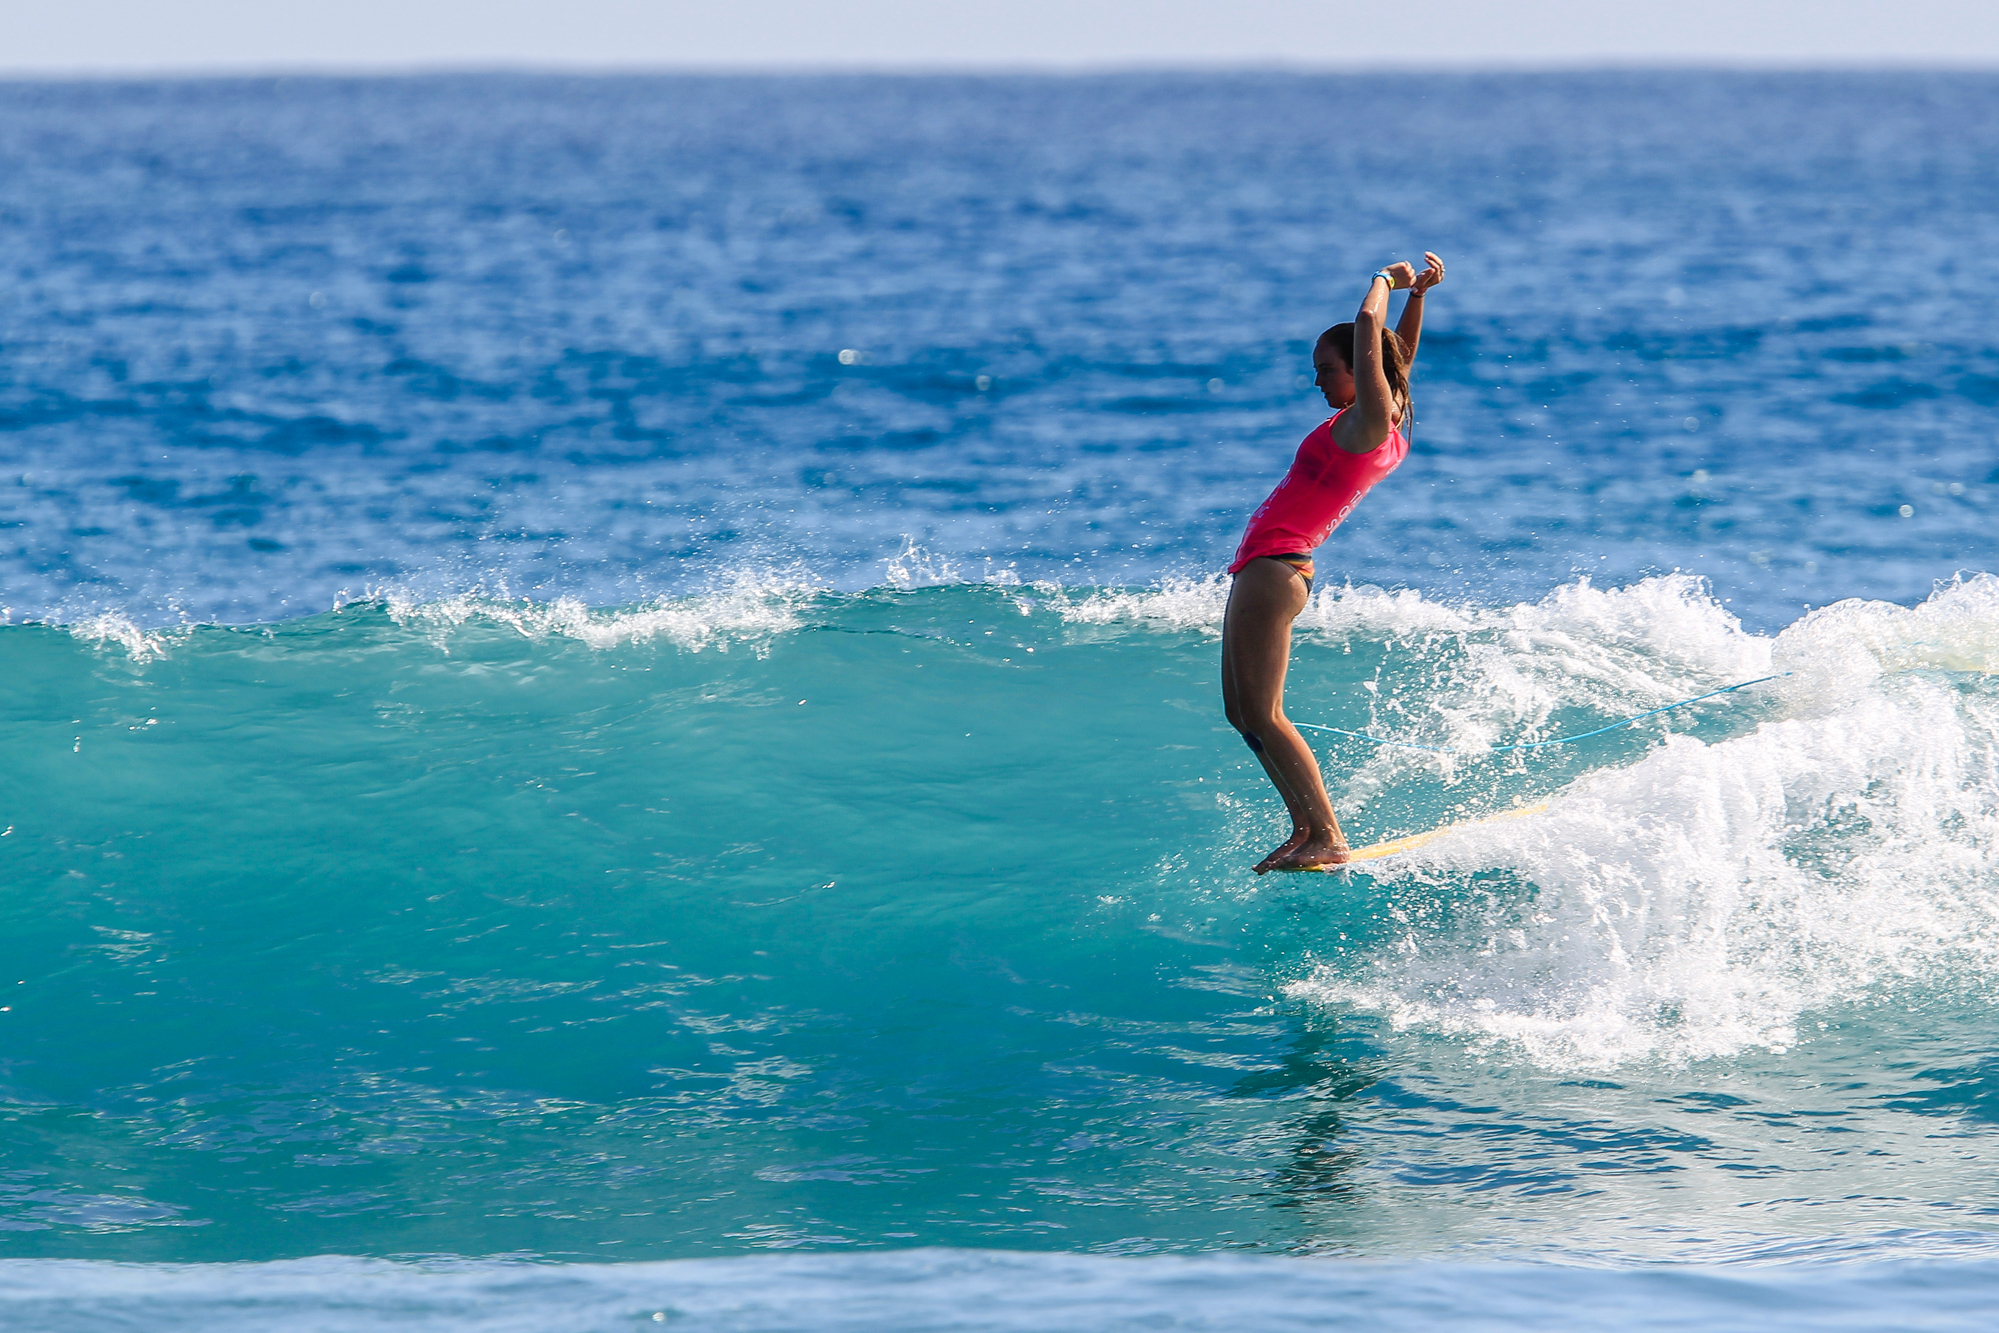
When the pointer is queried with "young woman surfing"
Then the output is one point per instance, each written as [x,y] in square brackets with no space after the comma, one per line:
[1363,371]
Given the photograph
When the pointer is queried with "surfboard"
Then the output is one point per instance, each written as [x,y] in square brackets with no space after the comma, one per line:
[1396,846]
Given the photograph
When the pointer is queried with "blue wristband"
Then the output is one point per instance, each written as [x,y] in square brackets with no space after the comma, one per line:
[1382,273]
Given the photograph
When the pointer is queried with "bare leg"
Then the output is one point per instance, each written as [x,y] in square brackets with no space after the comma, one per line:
[1256,651]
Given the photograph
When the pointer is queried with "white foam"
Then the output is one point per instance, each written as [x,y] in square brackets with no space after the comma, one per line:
[139,643]
[1180,604]
[1666,617]
[1472,679]
[1177,604]
[751,610]
[1848,644]
[1700,901]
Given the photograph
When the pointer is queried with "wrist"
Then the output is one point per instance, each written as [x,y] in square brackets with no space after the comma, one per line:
[1386,277]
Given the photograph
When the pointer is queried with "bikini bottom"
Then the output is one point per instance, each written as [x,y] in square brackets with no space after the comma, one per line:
[1301,563]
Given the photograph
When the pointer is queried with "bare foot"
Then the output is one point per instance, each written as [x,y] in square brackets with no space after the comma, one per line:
[1324,850]
[1291,844]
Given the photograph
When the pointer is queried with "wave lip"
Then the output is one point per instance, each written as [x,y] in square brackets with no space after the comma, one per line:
[752,611]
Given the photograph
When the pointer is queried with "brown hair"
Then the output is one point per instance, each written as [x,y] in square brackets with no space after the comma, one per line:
[1394,361]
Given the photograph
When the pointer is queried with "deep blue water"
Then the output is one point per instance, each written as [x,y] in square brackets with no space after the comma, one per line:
[622,670]
[268,340]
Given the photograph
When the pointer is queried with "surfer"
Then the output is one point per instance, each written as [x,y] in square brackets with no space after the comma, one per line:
[1363,371]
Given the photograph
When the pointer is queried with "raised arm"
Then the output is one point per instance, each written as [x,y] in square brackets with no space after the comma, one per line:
[1410,328]
[1362,430]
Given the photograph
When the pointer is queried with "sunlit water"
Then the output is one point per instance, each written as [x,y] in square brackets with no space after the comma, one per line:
[624,671]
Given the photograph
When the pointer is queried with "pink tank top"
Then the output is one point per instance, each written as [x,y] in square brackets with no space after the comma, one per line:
[1324,484]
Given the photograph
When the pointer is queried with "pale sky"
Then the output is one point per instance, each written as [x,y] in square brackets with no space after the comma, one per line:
[124,36]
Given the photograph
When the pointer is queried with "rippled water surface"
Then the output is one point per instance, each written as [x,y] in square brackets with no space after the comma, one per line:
[623,670]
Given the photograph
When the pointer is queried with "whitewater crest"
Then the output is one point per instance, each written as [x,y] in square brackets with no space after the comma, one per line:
[1659,614]
[1701,901]
[1475,680]
[140,644]
[752,609]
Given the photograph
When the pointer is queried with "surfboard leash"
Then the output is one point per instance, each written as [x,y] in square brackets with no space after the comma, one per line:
[1535,745]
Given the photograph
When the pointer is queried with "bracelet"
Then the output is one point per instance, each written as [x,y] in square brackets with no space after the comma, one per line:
[1415,293]
[1382,273]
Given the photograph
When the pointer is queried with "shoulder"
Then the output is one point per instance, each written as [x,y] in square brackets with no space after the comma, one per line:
[1334,433]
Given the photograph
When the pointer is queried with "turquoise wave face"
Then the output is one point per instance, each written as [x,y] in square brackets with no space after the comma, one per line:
[777,918]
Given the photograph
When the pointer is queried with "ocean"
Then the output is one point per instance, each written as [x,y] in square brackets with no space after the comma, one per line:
[611,711]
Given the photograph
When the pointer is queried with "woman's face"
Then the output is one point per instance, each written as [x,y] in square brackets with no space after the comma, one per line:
[1334,379]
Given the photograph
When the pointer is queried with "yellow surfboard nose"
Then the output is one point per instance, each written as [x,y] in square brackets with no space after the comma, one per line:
[1396,846]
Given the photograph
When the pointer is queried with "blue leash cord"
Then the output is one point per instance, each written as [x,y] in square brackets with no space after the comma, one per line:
[1535,745]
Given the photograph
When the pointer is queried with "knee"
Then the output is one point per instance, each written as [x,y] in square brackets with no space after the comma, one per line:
[1233,710]
[1251,733]
[1258,725]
